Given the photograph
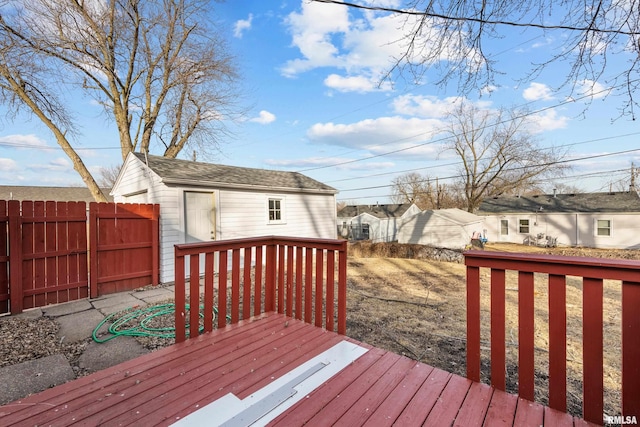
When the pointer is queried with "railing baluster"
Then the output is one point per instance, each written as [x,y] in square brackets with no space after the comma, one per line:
[289,298]
[257,296]
[630,349]
[526,335]
[319,291]
[246,283]
[473,323]
[223,258]
[179,299]
[208,291]
[270,285]
[235,285]
[498,355]
[299,280]
[329,302]
[557,342]
[308,286]
[592,338]
[281,273]
[194,295]
[342,290]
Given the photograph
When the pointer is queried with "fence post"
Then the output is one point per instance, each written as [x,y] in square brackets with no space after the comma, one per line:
[155,249]
[93,249]
[15,258]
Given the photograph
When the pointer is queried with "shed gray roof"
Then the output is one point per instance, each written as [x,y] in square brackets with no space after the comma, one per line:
[55,194]
[457,215]
[563,203]
[177,171]
[379,211]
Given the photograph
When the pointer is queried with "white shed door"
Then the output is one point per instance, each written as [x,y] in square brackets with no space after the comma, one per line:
[200,217]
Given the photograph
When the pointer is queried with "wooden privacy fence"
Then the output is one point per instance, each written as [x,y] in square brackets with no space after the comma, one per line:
[295,276]
[592,272]
[44,251]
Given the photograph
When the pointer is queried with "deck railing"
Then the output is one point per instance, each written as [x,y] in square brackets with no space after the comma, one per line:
[293,276]
[558,268]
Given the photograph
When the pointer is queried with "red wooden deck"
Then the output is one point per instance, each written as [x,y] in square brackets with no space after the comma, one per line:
[379,388]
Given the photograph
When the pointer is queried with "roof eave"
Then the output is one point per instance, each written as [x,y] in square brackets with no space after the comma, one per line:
[199,183]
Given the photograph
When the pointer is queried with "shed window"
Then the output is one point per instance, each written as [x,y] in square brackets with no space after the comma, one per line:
[275,210]
[504,227]
[523,226]
[604,227]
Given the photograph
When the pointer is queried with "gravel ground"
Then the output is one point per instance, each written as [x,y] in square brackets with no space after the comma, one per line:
[27,339]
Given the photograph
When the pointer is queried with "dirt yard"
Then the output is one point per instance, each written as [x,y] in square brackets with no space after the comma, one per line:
[418,308]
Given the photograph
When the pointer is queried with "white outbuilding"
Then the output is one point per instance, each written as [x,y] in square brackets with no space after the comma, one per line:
[204,202]
[443,228]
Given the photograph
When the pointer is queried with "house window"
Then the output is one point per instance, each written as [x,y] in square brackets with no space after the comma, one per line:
[275,210]
[504,227]
[523,226]
[603,227]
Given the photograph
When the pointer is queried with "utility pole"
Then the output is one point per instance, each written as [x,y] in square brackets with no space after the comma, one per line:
[632,185]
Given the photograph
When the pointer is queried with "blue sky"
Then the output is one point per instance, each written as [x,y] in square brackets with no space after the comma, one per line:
[310,88]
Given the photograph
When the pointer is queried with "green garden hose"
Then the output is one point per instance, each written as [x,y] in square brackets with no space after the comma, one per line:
[140,323]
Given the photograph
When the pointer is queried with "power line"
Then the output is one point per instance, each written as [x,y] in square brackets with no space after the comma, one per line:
[587,175]
[457,163]
[478,20]
[595,156]
[435,132]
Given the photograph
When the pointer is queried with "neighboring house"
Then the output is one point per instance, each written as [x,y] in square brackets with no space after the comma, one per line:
[378,223]
[442,228]
[204,202]
[55,194]
[597,220]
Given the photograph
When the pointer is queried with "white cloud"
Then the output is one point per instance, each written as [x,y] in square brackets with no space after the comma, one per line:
[546,121]
[537,92]
[425,106]
[59,164]
[264,118]
[363,45]
[359,84]
[312,162]
[593,89]
[380,135]
[241,26]
[23,141]
[8,165]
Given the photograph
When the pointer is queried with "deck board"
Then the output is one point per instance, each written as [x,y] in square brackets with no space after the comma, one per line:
[379,388]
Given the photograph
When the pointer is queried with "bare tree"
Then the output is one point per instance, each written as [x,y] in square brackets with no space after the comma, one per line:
[157,69]
[452,37]
[424,192]
[497,154]
[109,175]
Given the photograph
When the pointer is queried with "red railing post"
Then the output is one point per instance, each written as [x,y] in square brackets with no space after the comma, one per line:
[342,289]
[179,298]
[473,323]
[526,335]
[557,342]
[630,349]
[592,339]
[498,352]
